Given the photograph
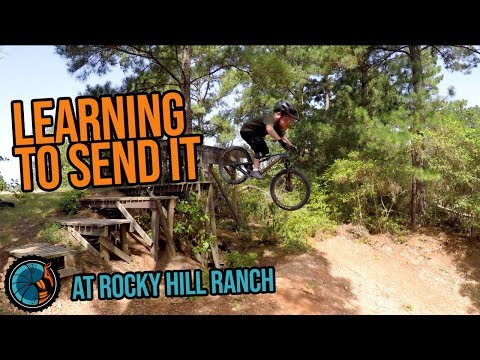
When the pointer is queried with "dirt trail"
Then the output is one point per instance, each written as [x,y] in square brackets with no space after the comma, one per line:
[348,273]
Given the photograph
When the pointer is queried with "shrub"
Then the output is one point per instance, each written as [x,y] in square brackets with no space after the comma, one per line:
[236,259]
[70,202]
[52,233]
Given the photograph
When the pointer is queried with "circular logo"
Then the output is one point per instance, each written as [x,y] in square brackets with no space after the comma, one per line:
[32,283]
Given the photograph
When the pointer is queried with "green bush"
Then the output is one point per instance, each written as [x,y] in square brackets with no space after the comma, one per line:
[367,192]
[290,229]
[70,202]
[52,233]
[236,259]
[190,227]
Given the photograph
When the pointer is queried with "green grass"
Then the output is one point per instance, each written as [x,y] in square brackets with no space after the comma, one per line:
[31,209]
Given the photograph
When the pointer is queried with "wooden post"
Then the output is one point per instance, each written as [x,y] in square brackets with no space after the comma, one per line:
[69,261]
[136,226]
[170,216]
[234,201]
[163,221]
[155,233]
[213,226]
[124,238]
[104,254]
[225,196]
[82,241]
[234,196]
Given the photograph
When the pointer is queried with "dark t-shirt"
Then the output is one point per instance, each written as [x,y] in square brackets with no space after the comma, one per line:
[258,126]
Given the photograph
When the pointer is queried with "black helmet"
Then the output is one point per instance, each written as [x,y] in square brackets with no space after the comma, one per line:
[286,108]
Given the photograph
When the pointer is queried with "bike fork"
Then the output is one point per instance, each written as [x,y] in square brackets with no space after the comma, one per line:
[288,179]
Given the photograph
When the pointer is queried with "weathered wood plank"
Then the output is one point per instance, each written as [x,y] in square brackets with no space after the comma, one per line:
[163,222]
[155,233]
[68,271]
[170,217]
[138,238]
[93,222]
[104,254]
[69,261]
[91,231]
[124,239]
[213,227]
[45,250]
[136,226]
[83,241]
[225,196]
[104,242]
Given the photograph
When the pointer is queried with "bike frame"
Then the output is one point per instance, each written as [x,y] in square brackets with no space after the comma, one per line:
[276,159]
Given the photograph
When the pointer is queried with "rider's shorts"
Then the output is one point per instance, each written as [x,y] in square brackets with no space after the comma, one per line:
[258,144]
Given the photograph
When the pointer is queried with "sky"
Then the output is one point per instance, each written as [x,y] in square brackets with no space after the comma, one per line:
[34,72]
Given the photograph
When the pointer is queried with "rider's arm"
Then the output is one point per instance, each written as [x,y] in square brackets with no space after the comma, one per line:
[277,137]
[284,137]
[271,131]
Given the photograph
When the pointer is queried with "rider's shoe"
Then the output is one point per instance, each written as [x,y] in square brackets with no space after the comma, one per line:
[256,174]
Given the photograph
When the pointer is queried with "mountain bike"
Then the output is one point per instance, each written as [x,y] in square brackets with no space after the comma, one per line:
[289,188]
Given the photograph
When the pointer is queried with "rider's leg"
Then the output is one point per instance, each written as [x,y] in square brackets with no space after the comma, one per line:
[260,148]
[256,164]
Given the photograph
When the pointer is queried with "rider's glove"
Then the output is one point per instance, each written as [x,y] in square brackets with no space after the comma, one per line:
[284,144]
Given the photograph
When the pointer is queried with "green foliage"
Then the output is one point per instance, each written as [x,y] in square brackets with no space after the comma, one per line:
[70,201]
[306,222]
[372,122]
[236,259]
[453,153]
[290,229]
[3,184]
[52,233]
[190,227]
[363,191]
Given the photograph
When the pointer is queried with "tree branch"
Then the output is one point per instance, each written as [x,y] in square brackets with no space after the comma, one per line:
[147,55]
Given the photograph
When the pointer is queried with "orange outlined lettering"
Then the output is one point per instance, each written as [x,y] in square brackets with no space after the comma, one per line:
[88,110]
[82,179]
[26,173]
[112,140]
[48,168]
[191,154]
[124,162]
[19,138]
[65,124]
[40,121]
[175,114]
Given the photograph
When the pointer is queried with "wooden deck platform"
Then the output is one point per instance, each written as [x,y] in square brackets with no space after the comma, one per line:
[104,229]
[128,202]
[50,251]
[163,211]
[165,189]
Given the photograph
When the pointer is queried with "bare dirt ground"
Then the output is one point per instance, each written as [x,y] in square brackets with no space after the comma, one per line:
[349,272]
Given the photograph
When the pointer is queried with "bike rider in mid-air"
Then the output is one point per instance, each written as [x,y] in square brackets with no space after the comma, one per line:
[276,125]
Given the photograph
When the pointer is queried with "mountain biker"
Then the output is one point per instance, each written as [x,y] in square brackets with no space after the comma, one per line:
[276,124]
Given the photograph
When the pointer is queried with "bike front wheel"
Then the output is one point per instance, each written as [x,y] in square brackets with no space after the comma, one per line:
[290,189]
[234,165]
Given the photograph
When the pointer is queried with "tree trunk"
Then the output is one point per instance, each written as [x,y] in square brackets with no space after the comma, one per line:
[418,149]
[185,86]
[327,95]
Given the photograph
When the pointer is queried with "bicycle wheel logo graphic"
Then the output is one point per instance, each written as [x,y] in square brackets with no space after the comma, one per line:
[32,283]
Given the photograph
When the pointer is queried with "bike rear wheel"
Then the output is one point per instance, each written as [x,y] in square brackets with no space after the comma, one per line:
[234,165]
[290,189]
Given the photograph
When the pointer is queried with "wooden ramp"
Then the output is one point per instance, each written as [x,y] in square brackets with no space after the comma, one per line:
[163,211]
[67,265]
[104,229]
